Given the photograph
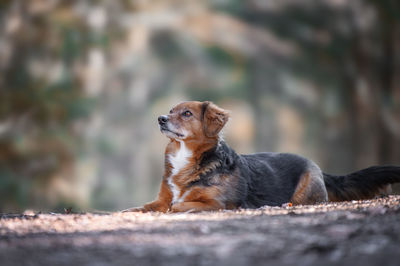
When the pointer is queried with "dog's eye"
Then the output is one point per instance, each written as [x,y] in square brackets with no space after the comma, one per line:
[170,111]
[187,113]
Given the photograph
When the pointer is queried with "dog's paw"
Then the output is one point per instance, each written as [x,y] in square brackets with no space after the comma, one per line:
[136,209]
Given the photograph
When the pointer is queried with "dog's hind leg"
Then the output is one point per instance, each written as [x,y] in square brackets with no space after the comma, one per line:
[311,187]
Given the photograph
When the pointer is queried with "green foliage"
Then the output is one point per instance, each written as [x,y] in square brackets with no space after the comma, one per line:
[38,112]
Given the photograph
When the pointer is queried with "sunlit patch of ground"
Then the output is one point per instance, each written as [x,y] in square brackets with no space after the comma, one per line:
[346,233]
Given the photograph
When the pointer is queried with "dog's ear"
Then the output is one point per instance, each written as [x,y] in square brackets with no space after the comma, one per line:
[213,118]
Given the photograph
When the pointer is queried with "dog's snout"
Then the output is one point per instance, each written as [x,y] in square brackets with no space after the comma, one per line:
[162,119]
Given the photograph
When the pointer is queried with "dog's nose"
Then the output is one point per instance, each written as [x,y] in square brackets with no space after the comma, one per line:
[162,119]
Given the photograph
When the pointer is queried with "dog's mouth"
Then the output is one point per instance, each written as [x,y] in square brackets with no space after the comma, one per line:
[166,130]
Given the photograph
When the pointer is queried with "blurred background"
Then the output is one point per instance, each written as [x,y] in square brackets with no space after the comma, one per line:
[82,83]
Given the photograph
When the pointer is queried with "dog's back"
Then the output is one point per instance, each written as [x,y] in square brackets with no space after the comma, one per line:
[277,178]
[274,178]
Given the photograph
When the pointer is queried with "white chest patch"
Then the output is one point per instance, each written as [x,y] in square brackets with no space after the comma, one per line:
[178,161]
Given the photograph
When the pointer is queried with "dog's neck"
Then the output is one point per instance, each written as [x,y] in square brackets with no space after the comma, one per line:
[182,157]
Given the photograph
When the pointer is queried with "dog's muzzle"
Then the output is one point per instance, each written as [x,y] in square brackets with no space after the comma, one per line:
[162,120]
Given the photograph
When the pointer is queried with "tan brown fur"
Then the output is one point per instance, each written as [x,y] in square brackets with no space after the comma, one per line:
[300,195]
[203,128]
[199,199]
[310,188]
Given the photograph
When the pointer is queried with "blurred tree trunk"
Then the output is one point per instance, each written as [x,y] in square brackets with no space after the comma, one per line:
[373,104]
[389,141]
[364,105]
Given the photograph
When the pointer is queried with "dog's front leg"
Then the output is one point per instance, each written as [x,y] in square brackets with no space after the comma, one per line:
[154,206]
[196,206]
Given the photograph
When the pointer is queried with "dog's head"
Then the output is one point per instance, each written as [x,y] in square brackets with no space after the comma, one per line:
[196,121]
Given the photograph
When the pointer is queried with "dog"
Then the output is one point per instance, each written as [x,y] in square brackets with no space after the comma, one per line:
[202,173]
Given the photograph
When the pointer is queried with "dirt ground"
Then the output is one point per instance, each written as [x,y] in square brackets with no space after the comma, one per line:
[348,233]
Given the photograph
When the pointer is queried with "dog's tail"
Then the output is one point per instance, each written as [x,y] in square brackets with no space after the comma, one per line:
[364,184]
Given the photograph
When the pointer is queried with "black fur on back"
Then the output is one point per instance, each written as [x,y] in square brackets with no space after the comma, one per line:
[271,178]
[227,163]
[262,178]
[363,184]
